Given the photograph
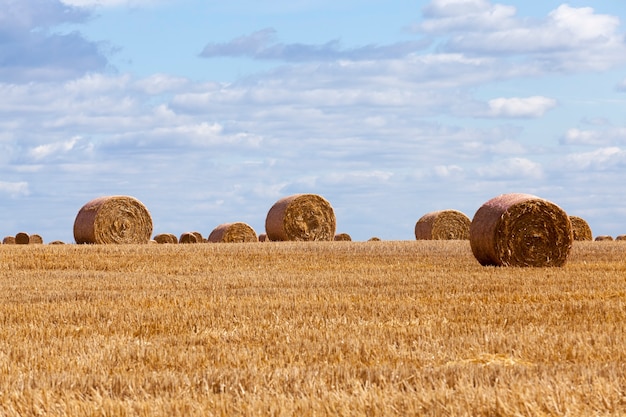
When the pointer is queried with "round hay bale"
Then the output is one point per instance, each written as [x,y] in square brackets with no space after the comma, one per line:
[57,242]
[604,238]
[164,238]
[35,239]
[301,217]
[8,240]
[580,228]
[373,239]
[521,230]
[113,219]
[443,225]
[237,232]
[22,238]
[343,237]
[199,238]
[621,238]
[188,237]
[263,238]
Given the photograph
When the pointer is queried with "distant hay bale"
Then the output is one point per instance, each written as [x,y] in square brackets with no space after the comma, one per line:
[580,228]
[343,237]
[263,238]
[163,238]
[113,219]
[236,232]
[35,239]
[301,217]
[22,238]
[188,237]
[520,230]
[604,238]
[8,240]
[373,239]
[57,242]
[621,238]
[443,225]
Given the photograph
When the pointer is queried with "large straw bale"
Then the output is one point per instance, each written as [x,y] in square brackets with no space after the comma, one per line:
[35,239]
[113,219]
[188,237]
[301,217]
[22,238]
[236,232]
[343,237]
[580,228]
[443,225]
[521,230]
[166,238]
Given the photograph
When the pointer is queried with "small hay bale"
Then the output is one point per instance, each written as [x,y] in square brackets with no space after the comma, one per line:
[199,238]
[164,238]
[35,239]
[57,242]
[604,238]
[236,232]
[621,238]
[8,240]
[22,238]
[580,228]
[521,230]
[343,237]
[443,225]
[188,237]
[373,239]
[113,219]
[301,217]
[263,238]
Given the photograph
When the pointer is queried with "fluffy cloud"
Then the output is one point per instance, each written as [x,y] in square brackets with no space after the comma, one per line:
[515,107]
[512,168]
[14,189]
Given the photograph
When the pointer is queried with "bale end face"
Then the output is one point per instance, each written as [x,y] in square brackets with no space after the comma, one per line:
[521,230]
[301,217]
[443,225]
[237,232]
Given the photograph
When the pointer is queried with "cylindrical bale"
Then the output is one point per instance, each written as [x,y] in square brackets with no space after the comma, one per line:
[113,219]
[521,230]
[35,239]
[621,237]
[199,237]
[57,242]
[580,228]
[188,237]
[301,217]
[8,240]
[166,238]
[443,225]
[22,238]
[373,239]
[604,238]
[343,237]
[237,232]
[263,237]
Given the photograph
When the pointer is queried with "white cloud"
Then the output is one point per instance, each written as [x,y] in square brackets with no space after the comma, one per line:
[511,168]
[444,16]
[525,107]
[611,136]
[14,189]
[597,160]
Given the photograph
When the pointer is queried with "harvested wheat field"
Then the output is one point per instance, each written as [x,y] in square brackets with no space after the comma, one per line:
[309,328]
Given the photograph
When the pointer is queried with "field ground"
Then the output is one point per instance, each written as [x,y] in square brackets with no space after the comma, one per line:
[326,328]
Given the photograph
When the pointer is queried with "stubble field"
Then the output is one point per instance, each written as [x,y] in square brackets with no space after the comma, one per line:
[318,328]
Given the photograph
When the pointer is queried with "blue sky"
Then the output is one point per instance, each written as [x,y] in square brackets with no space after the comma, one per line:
[209,112]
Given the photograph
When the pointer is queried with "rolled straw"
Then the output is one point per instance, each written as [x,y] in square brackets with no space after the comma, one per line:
[343,237]
[580,228]
[188,237]
[521,230]
[604,238]
[113,219]
[22,238]
[237,232]
[443,225]
[8,240]
[163,238]
[301,217]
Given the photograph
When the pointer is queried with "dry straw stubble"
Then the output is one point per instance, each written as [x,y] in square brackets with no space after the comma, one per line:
[237,232]
[113,220]
[521,230]
[443,225]
[301,217]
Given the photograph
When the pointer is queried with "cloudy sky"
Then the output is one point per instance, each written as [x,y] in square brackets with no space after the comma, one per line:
[210,111]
